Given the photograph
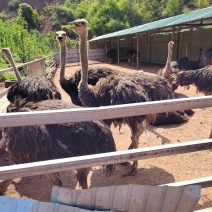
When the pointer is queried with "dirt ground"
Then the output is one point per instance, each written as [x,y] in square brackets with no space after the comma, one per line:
[154,171]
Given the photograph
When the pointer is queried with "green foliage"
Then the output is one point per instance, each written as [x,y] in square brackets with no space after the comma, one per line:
[25,46]
[3,16]
[29,15]
[109,17]
[104,16]
[202,3]
[14,4]
[7,75]
[61,15]
[82,9]
[173,7]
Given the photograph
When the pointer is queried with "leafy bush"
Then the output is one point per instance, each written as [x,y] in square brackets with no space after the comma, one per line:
[60,16]
[7,75]
[25,46]
[14,4]
[3,16]
[28,14]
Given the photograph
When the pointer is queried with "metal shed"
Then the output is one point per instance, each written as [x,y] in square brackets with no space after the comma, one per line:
[151,39]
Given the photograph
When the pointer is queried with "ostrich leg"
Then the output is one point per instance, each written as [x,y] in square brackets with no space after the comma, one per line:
[136,131]
[55,179]
[82,175]
[210,136]
[4,184]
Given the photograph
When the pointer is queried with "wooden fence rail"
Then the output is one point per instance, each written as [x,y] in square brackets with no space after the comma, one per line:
[50,166]
[99,113]
[73,55]
[35,66]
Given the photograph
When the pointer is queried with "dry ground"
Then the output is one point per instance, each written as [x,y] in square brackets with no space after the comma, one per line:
[151,171]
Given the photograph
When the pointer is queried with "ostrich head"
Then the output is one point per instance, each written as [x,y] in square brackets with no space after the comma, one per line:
[80,26]
[6,52]
[61,37]
[170,44]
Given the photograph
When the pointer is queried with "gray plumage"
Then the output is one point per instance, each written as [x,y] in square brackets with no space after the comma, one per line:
[111,55]
[44,142]
[208,57]
[201,78]
[33,88]
[132,56]
[70,84]
[120,89]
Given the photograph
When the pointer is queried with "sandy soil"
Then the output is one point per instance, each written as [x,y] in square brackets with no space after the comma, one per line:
[151,171]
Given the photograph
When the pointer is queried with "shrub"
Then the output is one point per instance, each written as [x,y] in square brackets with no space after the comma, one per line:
[14,4]
[7,75]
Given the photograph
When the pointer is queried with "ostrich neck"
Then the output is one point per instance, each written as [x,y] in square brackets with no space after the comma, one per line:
[84,58]
[62,60]
[169,59]
[15,69]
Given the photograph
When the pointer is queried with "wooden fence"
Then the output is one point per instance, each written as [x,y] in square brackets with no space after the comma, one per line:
[73,55]
[32,68]
[86,114]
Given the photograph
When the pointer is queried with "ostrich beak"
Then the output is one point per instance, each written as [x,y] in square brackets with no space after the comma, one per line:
[73,24]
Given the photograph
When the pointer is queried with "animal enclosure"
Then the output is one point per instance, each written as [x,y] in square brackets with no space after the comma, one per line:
[63,116]
[153,48]
[148,169]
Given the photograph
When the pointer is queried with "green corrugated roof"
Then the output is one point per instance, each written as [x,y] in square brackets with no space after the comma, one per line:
[191,17]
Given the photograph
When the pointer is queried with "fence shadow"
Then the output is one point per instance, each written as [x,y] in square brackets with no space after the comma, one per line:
[145,176]
[39,187]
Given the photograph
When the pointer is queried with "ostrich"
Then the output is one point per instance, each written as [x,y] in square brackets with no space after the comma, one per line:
[119,89]
[201,78]
[70,84]
[167,70]
[45,142]
[186,64]
[111,55]
[132,56]
[208,57]
[34,88]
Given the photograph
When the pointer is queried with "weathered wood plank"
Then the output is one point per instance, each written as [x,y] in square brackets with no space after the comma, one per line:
[130,198]
[4,92]
[204,182]
[205,210]
[37,68]
[3,104]
[100,113]
[50,166]
[20,66]
[73,55]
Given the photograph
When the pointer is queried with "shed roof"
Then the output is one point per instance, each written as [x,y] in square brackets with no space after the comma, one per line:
[195,18]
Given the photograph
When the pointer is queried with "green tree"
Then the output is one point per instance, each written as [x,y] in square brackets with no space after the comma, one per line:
[14,4]
[61,16]
[25,45]
[112,16]
[173,7]
[202,3]
[28,14]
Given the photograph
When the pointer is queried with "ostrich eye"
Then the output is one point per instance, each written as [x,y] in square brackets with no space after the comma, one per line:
[83,23]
